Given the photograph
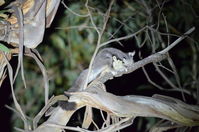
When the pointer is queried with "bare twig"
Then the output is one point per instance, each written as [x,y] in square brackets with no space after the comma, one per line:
[79,15]
[44,73]
[99,36]
[177,41]
[122,38]
[18,107]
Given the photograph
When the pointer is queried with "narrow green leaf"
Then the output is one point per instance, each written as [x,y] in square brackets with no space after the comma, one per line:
[4,48]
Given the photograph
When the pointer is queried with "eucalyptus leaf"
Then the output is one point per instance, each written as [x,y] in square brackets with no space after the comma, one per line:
[4,48]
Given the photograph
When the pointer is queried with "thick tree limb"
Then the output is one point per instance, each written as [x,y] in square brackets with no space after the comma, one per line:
[132,105]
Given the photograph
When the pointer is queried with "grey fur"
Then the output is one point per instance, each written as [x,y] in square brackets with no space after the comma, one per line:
[102,61]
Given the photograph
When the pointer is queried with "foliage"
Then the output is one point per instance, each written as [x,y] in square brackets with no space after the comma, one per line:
[4,48]
[70,42]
